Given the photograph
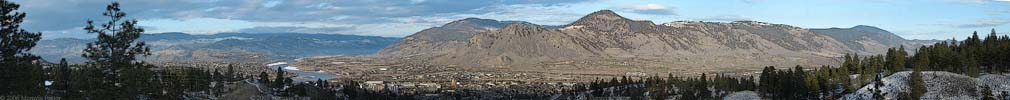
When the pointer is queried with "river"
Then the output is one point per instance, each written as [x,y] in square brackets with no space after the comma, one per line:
[302,76]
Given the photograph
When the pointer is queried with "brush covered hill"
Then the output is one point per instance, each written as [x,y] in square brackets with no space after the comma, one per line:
[604,39]
[863,39]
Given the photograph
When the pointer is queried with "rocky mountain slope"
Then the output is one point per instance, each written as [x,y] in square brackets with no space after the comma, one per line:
[604,38]
[168,47]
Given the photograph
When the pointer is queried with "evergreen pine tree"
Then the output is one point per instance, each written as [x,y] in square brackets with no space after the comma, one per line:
[613,82]
[971,66]
[230,73]
[116,50]
[279,78]
[116,46]
[812,85]
[18,74]
[217,77]
[901,60]
[264,78]
[895,60]
[63,74]
[987,93]
[916,84]
[319,82]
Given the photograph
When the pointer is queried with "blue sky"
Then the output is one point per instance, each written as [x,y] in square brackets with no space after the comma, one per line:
[912,19]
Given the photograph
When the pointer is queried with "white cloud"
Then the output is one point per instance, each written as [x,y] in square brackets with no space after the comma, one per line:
[387,29]
[271,4]
[649,7]
[335,18]
[988,23]
[752,1]
[726,18]
[216,25]
[975,1]
[344,24]
[325,6]
[654,9]
[194,25]
[924,34]
[214,9]
[416,1]
[374,17]
[66,33]
[534,13]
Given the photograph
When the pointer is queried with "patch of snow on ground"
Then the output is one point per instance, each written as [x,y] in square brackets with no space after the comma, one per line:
[743,95]
[940,85]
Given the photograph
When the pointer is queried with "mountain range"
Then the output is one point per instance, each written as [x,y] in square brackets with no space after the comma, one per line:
[228,47]
[604,38]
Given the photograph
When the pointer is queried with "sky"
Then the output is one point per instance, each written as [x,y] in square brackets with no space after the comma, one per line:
[911,19]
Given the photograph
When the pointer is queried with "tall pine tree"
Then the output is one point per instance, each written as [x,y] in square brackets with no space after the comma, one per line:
[279,78]
[116,51]
[916,84]
[116,46]
[230,74]
[18,74]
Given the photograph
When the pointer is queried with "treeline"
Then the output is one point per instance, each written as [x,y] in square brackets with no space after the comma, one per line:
[659,88]
[789,84]
[794,83]
[970,56]
[797,83]
[825,82]
[142,82]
